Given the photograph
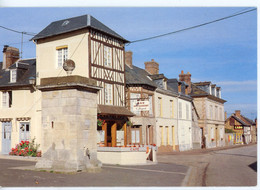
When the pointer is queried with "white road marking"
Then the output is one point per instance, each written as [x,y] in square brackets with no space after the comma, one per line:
[159,171]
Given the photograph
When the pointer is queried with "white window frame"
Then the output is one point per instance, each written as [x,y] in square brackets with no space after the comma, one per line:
[6,99]
[107,56]
[108,94]
[187,111]
[13,75]
[180,110]
[133,100]
[62,56]
[160,111]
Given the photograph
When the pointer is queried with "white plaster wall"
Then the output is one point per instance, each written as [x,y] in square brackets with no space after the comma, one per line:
[122,158]
[25,104]
[46,55]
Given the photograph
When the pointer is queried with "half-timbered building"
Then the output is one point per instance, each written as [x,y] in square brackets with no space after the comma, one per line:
[98,53]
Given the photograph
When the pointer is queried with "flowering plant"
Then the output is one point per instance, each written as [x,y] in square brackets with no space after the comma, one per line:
[26,148]
[212,139]
[100,122]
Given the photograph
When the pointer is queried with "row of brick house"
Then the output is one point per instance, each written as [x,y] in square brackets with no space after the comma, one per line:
[82,74]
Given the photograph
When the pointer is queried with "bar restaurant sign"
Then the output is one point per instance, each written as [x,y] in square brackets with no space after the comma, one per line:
[238,127]
[141,105]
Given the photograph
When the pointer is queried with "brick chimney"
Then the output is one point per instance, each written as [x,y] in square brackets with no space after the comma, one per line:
[237,113]
[128,58]
[152,67]
[187,79]
[10,56]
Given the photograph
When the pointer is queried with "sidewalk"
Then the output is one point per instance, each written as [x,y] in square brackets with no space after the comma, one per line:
[202,151]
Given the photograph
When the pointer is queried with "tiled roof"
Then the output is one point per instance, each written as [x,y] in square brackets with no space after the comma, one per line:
[239,120]
[114,110]
[202,83]
[25,68]
[73,24]
[137,75]
[249,121]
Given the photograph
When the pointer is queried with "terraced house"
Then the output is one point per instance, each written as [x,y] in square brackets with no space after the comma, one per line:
[210,107]
[19,111]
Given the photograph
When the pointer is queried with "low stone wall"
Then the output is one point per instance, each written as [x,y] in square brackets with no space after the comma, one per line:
[124,156]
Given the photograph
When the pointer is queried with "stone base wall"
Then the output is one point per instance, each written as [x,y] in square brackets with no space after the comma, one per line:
[69,121]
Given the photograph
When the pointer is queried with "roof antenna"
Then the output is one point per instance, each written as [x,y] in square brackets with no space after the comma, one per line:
[21,54]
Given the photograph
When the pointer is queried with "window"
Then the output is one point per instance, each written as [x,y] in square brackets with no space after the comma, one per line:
[134,99]
[7,99]
[107,56]
[171,108]
[135,134]
[220,114]
[150,105]
[108,94]
[212,133]
[160,106]
[24,131]
[62,54]
[187,111]
[211,111]
[180,110]
[13,74]
[216,112]
[162,137]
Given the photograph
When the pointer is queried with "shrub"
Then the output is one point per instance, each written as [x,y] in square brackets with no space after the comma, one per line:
[26,148]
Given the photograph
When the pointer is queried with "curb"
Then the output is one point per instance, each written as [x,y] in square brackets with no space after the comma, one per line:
[21,158]
[187,177]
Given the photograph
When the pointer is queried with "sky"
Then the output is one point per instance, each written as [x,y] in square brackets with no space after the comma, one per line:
[224,52]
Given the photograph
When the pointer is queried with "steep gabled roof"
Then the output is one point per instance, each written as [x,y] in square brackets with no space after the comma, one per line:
[138,76]
[247,120]
[73,24]
[239,120]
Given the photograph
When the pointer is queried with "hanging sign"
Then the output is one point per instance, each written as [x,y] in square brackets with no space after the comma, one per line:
[140,105]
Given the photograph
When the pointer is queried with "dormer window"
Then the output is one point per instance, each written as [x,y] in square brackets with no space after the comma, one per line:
[13,75]
[62,55]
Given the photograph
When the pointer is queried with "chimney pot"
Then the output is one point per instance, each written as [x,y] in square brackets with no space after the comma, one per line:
[152,67]
[10,56]
[187,79]
[129,58]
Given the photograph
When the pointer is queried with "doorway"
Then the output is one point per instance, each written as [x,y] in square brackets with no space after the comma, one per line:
[6,137]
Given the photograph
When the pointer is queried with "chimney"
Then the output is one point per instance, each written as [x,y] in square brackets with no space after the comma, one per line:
[152,67]
[237,113]
[187,79]
[10,56]
[128,58]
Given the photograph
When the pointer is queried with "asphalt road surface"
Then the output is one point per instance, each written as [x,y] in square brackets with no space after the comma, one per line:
[15,173]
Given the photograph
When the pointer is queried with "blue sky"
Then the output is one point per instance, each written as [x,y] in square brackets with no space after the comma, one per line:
[224,52]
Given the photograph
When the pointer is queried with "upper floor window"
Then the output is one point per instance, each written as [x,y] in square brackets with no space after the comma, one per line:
[150,105]
[7,99]
[107,56]
[187,111]
[180,110]
[13,75]
[216,112]
[171,108]
[160,106]
[108,94]
[220,114]
[62,55]
[211,111]
[134,98]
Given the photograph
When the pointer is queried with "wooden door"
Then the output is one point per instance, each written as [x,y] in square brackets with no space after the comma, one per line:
[113,134]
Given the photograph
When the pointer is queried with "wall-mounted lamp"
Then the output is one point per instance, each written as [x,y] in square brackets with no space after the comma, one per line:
[32,82]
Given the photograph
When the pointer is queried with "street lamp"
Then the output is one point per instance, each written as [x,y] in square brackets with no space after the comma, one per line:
[32,82]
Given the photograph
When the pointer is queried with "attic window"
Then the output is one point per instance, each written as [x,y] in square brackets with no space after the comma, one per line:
[66,22]
[13,75]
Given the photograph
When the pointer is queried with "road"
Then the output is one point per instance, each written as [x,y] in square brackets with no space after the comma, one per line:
[230,167]
[211,167]
[19,173]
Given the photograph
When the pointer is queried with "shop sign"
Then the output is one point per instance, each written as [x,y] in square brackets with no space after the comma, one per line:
[238,127]
[141,105]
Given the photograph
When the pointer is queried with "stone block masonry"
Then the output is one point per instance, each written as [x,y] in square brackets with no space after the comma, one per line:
[69,133]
